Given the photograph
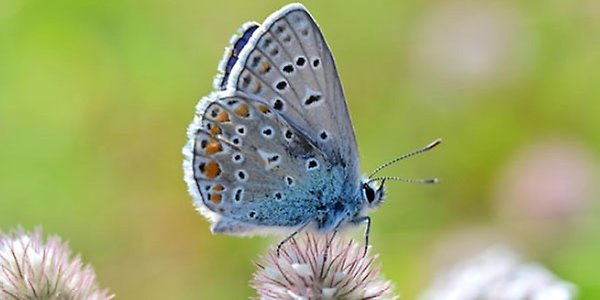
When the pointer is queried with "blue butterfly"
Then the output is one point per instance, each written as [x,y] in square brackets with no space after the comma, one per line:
[273,148]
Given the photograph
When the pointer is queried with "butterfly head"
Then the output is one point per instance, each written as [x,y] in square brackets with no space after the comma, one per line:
[373,194]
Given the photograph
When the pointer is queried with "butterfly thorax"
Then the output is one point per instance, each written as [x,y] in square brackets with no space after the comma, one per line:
[335,205]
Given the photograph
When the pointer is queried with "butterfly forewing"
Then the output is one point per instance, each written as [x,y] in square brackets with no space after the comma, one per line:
[288,64]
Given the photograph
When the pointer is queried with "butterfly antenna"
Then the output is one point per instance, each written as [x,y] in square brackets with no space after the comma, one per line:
[409,180]
[397,159]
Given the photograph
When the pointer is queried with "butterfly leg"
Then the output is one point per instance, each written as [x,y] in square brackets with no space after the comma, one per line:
[367,220]
[326,254]
[291,236]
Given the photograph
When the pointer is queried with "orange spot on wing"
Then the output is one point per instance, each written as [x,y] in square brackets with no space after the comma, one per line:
[218,187]
[256,87]
[215,198]
[242,110]
[223,116]
[263,108]
[213,147]
[214,130]
[212,170]
[264,67]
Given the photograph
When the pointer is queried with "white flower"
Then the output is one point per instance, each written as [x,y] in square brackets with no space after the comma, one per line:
[31,268]
[302,271]
[498,273]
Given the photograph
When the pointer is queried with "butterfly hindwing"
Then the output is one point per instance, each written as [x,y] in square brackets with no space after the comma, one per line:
[251,167]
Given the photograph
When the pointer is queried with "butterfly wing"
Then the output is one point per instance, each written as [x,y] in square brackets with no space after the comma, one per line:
[249,168]
[232,53]
[288,64]
[279,85]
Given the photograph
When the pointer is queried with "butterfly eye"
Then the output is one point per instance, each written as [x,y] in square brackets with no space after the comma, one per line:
[369,193]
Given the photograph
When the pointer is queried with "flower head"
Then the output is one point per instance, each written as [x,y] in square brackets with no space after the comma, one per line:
[550,184]
[498,273]
[320,267]
[31,268]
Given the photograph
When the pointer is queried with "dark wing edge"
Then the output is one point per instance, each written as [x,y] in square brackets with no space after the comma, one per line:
[256,35]
[237,42]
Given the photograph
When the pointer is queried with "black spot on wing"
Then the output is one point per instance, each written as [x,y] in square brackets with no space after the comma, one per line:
[312,99]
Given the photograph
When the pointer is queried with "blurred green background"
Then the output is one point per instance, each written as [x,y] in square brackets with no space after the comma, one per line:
[95,98]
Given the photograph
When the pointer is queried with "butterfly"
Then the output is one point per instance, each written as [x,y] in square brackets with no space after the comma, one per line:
[273,149]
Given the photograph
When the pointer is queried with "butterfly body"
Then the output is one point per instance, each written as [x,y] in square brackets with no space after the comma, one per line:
[273,148]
